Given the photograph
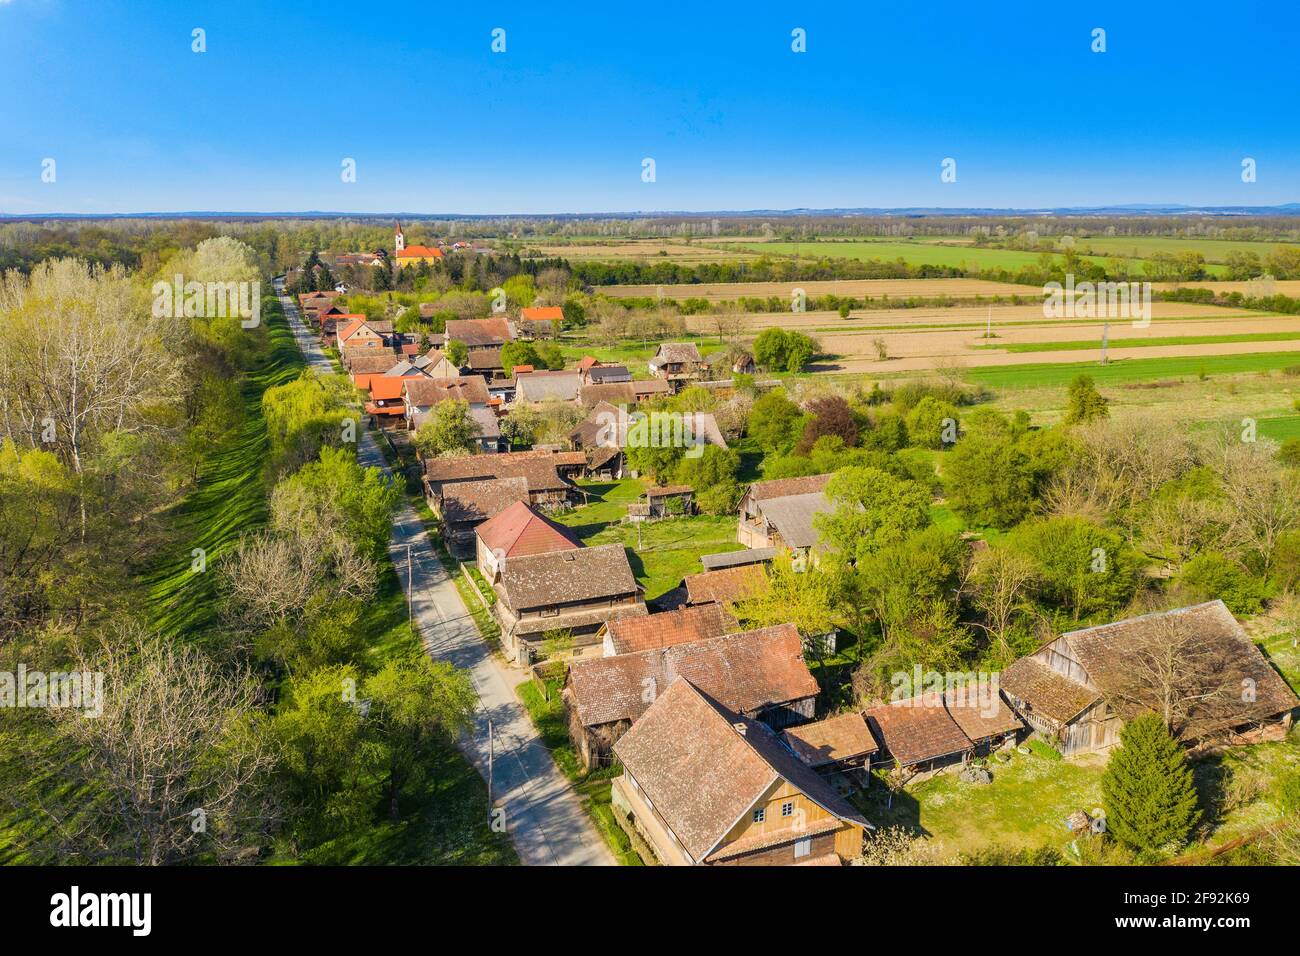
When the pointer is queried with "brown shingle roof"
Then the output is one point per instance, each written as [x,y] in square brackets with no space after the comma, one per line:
[559,577]
[611,393]
[480,500]
[784,487]
[538,467]
[539,386]
[747,671]
[671,627]
[793,517]
[422,392]
[482,360]
[702,774]
[728,584]
[1112,655]
[1047,692]
[370,361]
[981,713]
[476,333]
[678,352]
[518,530]
[917,729]
[832,740]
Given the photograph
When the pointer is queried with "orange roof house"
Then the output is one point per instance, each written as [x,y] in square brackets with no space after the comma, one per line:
[542,313]
[412,255]
[517,531]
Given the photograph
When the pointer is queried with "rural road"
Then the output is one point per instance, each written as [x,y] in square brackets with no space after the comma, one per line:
[543,816]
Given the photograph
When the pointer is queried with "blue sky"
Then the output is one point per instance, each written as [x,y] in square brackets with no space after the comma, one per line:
[561,121]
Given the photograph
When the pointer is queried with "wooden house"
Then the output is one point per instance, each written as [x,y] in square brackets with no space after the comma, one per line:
[1194,666]
[842,744]
[466,505]
[780,514]
[759,673]
[703,785]
[677,363]
[515,532]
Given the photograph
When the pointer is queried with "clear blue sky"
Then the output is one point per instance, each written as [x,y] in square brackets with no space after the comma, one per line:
[562,120]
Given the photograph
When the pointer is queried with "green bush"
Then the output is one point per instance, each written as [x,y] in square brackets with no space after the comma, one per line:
[1147,789]
[1212,575]
[1045,750]
[1288,793]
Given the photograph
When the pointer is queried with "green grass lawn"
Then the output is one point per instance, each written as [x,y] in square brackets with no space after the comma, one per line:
[1030,797]
[1137,343]
[662,552]
[1280,428]
[230,499]
[1128,370]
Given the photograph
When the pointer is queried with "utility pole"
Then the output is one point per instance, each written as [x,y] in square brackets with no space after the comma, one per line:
[490,764]
[1105,341]
[988,330]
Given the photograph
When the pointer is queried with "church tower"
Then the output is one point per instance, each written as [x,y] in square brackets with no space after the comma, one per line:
[398,239]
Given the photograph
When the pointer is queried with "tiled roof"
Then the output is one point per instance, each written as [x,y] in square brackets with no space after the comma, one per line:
[480,500]
[664,491]
[677,352]
[702,766]
[480,332]
[484,359]
[980,712]
[917,729]
[423,392]
[539,386]
[832,740]
[729,584]
[1113,656]
[417,252]
[518,530]
[370,361]
[541,313]
[560,577]
[671,627]
[538,467]
[1046,691]
[747,671]
[784,487]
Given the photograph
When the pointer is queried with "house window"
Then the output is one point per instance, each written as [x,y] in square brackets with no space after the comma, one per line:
[803,847]
[760,815]
[787,808]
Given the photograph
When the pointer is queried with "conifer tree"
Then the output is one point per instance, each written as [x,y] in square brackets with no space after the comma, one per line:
[1147,789]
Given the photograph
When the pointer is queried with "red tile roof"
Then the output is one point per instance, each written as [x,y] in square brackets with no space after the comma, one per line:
[417,252]
[832,740]
[917,729]
[542,313]
[670,627]
[729,584]
[519,530]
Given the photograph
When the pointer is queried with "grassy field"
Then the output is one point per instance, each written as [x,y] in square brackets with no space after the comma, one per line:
[1132,343]
[665,551]
[1030,797]
[1280,428]
[1129,370]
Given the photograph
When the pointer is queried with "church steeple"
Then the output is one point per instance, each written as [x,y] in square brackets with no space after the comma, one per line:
[399,239]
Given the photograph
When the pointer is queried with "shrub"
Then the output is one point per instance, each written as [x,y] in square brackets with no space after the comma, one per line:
[932,423]
[1212,575]
[1045,750]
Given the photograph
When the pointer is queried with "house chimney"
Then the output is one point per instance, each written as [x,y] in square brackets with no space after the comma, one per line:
[740,727]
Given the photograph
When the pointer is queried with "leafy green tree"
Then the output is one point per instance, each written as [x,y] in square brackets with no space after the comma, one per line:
[337,494]
[415,705]
[1084,402]
[805,599]
[1147,789]
[520,289]
[713,476]
[775,422]
[988,478]
[870,510]
[448,431]
[933,423]
[457,353]
[1212,575]
[304,415]
[778,349]
[518,353]
[1084,569]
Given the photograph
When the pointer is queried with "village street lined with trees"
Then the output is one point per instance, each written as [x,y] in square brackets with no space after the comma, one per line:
[218,518]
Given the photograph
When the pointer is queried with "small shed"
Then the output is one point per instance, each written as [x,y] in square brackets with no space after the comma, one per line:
[665,501]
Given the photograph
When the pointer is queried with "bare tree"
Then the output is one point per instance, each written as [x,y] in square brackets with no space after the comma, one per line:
[174,769]
[1000,583]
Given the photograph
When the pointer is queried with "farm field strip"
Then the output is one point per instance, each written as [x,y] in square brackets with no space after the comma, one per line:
[1134,369]
[1134,342]
[873,288]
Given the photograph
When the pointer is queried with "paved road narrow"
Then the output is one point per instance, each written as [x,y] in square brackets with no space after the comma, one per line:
[543,815]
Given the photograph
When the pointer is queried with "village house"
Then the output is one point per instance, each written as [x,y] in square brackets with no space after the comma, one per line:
[548,474]
[677,363]
[726,585]
[536,387]
[515,532]
[477,334]
[539,322]
[361,333]
[665,629]
[780,514]
[663,501]
[842,744]
[918,735]
[330,318]
[421,394]
[412,255]
[369,363]
[594,372]
[703,785]
[634,392]
[1195,666]
[466,505]
[759,673]
[573,591]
